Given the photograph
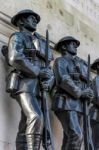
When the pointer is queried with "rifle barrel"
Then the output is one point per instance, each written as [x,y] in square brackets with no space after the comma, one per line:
[86,112]
[44,94]
[88,71]
[47,48]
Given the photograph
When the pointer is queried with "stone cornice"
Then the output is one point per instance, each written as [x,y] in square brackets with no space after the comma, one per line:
[82,18]
[6,27]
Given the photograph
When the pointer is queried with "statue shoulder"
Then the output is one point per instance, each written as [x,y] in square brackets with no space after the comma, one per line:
[16,37]
[96,79]
[83,61]
[16,34]
[61,60]
[39,36]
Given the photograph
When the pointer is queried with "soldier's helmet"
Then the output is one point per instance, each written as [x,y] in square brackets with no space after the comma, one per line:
[26,13]
[94,65]
[64,40]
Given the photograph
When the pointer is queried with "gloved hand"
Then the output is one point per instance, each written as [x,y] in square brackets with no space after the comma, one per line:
[87,94]
[46,73]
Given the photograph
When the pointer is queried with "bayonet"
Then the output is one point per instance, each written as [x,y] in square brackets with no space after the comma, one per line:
[45,102]
[86,112]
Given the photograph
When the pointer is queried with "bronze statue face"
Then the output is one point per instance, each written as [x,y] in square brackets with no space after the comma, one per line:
[30,23]
[71,47]
[97,68]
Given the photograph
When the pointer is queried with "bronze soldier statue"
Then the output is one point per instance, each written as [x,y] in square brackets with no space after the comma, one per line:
[94,111]
[26,59]
[71,91]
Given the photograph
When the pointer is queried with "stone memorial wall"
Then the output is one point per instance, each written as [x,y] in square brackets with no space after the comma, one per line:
[79,18]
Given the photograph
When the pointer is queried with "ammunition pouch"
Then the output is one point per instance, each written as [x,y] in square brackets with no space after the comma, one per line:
[75,76]
[13,80]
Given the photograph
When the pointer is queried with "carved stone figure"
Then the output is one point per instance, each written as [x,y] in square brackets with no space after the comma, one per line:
[26,59]
[71,90]
[94,111]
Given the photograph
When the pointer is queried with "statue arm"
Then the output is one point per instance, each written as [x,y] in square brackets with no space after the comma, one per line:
[51,82]
[18,60]
[63,79]
[83,72]
[95,88]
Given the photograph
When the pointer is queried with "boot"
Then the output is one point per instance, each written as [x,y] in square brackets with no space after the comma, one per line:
[21,143]
[34,141]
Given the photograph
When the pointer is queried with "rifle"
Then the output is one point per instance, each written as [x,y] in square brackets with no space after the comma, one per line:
[86,112]
[88,144]
[4,51]
[45,102]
